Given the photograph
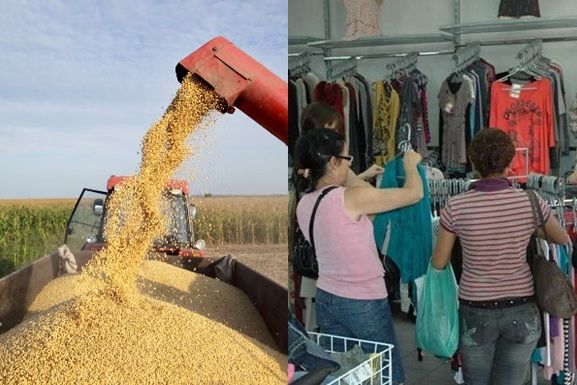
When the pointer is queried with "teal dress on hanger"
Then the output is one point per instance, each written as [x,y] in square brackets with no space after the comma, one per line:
[410,244]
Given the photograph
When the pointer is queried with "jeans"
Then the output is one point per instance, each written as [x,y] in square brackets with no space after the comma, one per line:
[362,319]
[496,344]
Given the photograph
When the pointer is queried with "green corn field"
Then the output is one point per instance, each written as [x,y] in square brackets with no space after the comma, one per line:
[30,229]
[242,220]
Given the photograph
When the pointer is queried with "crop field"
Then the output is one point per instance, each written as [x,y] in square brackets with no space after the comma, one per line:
[32,228]
[242,220]
[29,229]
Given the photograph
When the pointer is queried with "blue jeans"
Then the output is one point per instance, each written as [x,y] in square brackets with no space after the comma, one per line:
[496,344]
[362,319]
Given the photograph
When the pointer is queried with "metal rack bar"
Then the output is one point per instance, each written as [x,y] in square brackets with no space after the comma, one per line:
[302,40]
[510,25]
[456,20]
[300,63]
[327,20]
[389,55]
[335,71]
[523,41]
[300,54]
[384,41]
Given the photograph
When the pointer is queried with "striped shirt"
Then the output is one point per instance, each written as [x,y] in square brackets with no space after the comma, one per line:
[494,223]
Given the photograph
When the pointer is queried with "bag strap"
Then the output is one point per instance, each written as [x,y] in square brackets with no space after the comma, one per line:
[537,212]
[537,218]
[312,223]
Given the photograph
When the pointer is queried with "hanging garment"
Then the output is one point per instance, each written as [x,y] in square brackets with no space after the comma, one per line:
[519,8]
[330,93]
[561,109]
[454,99]
[411,115]
[367,113]
[356,139]
[425,111]
[422,80]
[311,80]
[573,117]
[406,225]
[362,18]
[554,73]
[302,99]
[387,107]
[346,109]
[293,120]
[527,117]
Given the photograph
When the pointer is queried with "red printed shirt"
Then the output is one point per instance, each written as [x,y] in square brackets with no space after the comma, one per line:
[528,119]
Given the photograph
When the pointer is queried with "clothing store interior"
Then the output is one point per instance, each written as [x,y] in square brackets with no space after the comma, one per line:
[428,76]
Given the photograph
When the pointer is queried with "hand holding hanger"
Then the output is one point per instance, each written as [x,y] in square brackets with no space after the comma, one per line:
[411,159]
[405,145]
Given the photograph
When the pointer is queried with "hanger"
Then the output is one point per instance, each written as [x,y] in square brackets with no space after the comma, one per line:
[405,145]
[342,69]
[528,58]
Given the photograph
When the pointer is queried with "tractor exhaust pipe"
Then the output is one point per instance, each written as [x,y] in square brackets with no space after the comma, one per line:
[242,82]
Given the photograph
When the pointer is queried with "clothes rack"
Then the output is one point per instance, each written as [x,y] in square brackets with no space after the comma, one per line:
[463,107]
[466,56]
[341,69]
[405,64]
[390,55]
[532,92]
[551,188]
[300,63]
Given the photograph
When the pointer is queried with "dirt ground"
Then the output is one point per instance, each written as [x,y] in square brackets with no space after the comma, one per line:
[270,260]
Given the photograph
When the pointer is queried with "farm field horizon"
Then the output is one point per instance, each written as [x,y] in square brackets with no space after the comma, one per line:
[33,227]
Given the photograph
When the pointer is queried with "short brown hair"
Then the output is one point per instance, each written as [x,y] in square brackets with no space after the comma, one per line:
[491,151]
[318,115]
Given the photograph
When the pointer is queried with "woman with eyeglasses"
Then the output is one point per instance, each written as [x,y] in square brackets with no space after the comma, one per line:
[318,115]
[351,296]
[321,115]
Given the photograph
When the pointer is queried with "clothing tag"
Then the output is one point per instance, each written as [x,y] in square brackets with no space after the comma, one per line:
[359,374]
[515,91]
[449,105]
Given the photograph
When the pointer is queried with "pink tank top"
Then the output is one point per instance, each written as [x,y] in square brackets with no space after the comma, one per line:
[349,264]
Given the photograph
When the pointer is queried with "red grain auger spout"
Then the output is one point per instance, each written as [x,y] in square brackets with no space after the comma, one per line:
[241,81]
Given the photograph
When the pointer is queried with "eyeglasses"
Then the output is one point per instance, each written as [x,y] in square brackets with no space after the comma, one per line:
[349,157]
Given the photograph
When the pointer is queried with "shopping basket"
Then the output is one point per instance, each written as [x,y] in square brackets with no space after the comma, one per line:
[376,370]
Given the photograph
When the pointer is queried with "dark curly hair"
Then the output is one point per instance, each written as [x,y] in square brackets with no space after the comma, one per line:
[313,151]
[491,152]
[318,115]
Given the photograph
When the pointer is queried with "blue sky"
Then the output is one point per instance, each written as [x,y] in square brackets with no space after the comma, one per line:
[82,81]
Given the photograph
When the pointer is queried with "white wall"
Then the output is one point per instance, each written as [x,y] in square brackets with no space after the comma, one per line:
[425,16]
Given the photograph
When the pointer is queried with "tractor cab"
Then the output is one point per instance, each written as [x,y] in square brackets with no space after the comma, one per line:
[85,228]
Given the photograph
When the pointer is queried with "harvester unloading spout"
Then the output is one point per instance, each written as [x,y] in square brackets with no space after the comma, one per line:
[241,81]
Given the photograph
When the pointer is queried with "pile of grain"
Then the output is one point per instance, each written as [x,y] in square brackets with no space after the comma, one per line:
[194,292]
[97,339]
[113,334]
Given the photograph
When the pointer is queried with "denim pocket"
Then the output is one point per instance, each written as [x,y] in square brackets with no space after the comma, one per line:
[475,326]
[523,324]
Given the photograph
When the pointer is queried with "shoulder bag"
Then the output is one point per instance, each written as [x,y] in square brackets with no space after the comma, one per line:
[304,257]
[553,290]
